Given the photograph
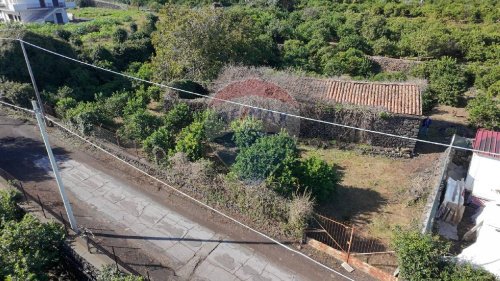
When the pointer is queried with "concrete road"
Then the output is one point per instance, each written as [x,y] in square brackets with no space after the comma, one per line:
[154,231]
[194,252]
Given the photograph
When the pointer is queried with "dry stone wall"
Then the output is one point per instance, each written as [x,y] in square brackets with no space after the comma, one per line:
[376,120]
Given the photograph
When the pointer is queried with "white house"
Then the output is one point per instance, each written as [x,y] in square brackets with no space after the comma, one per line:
[483,177]
[36,11]
[483,180]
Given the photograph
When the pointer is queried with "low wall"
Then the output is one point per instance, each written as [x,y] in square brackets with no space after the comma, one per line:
[403,125]
[356,263]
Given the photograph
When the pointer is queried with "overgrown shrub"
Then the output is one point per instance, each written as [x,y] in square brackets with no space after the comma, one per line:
[447,81]
[19,94]
[86,115]
[269,157]
[110,273]
[178,117]
[352,62]
[300,210]
[63,105]
[139,126]
[120,35]
[247,131]
[318,177]
[159,144]
[190,140]
[117,102]
[421,257]
[484,111]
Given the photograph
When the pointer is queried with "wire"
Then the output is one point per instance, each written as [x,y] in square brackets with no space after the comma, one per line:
[259,108]
[186,195]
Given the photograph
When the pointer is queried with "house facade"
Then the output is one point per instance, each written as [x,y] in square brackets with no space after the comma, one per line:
[35,11]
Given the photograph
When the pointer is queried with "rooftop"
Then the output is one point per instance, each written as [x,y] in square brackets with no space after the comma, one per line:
[394,97]
[487,141]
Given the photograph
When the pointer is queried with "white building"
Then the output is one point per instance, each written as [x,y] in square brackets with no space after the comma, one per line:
[483,177]
[483,180]
[36,11]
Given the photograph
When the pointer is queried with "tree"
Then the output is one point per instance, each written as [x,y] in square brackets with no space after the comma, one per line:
[197,43]
[484,111]
[317,177]
[269,157]
[247,131]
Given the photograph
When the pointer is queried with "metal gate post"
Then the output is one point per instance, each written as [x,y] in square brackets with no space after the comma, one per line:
[349,246]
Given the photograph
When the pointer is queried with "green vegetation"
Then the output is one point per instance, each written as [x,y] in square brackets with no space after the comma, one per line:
[29,249]
[422,257]
[109,273]
[247,131]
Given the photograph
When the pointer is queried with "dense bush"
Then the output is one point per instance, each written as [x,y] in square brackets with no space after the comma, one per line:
[191,139]
[19,94]
[447,81]
[29,248]
[178,117]
[271,157]
[159,144]
[120,35]
[317,177]
[116,103]
[352,62]
[484,111]
[63,105]
[86,115]
[421,257]
[247,131]
[139,125]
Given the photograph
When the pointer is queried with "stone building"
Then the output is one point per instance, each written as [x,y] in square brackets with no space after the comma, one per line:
[394,108]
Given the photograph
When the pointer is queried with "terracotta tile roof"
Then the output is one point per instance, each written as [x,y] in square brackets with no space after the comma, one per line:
[393,97]
[487,141]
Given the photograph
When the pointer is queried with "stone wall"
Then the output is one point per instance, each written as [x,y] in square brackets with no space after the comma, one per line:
[392,64]
[365,118]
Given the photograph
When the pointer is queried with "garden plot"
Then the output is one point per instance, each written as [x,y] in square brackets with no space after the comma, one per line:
[377,193]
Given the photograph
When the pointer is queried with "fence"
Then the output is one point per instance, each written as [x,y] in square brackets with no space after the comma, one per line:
[342,237]
[71,257]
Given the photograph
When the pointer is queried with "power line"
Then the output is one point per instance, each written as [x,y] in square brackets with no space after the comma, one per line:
[185,194]
[256,107]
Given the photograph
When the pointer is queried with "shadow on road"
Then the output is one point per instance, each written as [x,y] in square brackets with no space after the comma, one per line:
[109,235]
[18,154]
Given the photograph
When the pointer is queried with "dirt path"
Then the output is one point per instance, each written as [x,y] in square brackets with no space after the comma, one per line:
[141,241]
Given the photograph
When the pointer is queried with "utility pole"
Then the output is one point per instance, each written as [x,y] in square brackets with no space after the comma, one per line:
[53,163]
[38,98]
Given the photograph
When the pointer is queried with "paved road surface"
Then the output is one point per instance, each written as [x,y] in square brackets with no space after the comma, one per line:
[188,244]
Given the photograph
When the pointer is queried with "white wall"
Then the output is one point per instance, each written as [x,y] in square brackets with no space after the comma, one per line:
[483,177]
